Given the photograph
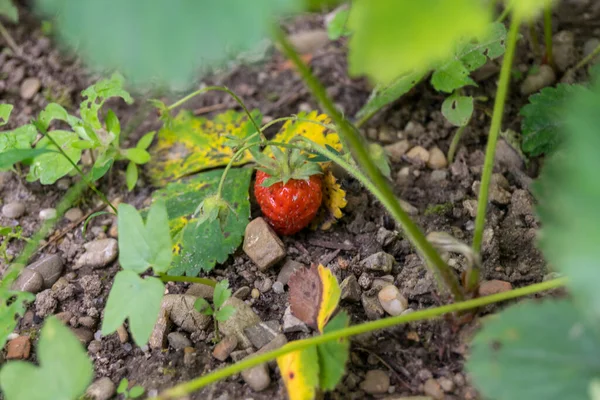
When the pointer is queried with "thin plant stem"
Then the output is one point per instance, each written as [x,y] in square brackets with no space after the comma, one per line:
[504,14]
[535,43]
[190,279]
[488,165]
[548,33]
[9,40]
[230,164]
[220,374]
[454,143]
[586,60]
[355,144]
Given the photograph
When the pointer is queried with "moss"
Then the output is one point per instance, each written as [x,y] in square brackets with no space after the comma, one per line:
[439,209]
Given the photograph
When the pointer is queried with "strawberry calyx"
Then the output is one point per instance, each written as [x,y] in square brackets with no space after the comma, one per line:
[286,165]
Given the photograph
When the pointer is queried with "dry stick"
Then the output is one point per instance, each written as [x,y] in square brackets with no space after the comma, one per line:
[9,40]
[222,373]
[585,61]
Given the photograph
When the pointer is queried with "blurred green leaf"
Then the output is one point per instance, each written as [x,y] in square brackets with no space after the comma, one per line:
[131,175]
[64,371]
[137,155]
[5,109]
[123,386]
[381,159]
[390,38]
[202,306]
[222,293]
[136,299]
[136,392]
[103,164]
[10,157]
[50,167]
[12,306]
[145,141]
[333,355]
[96,95]
[338,26]
[163,42]
[224,313]
[8,9]
[20,138]
[200,247]
[535,350]
[543,119]
[458,109]
[527,9]
[112,123]
[55,111]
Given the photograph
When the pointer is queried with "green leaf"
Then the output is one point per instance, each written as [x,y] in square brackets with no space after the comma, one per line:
[511,360]
[8,9]
[200,247]
[5,109]
[221,294]
[145,141]
[451,76]
[95,96]
[13,305]
[20,138]
[171,43]
[393,37]
[333,355]
[123,385]
[144,246]
[136,299]
[54,111]
[223,314]
[64,373]
[136,392]
[103,163]
[50,167]
[543,119]
[10,157]
[202,306]
[112,123]
[381,159]
[383,95]
[337,27]
[458,109]
[191,144]
[131,175]
[137,155]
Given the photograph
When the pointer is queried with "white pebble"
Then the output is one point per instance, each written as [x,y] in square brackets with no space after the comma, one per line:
[392,300]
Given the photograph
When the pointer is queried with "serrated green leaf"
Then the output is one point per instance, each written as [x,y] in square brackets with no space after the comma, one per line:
[171,43]
[333,355]
[201,247]
[64,373]
[202,306]
[543,119]
[50,167]
[451,76]
[54,111]
[338,26]
[10,157]
[458,109]
[112,123]
[300,372]
[145,141]
[192,144]
[136,299]
[393,37]
[8,9]
[137,155]
[20,138]
[96,95]
[5,109]
[222,293]
[13,305]
[223,314]
[509,361]
[131,175]
[159,237]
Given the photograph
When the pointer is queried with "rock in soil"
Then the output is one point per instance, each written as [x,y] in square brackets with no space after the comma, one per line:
[47,213]
[18,348]
[201,290]
[392,300]
[122,334]
[28,281]
[289,267]
[102,389]
[262,244]
[242,293]
[29,88]
[84,335]
[181,311]
[45,303]
[432,388]
[545,76]
[381,261]
[225,347]
[262,333]
[376,382]
[257,377]
[158,338]
[243,318]
[178,341]
[74,214]
[50,268]
[564,50]
[98,254]
[291,323]
[446,384]
[418,155]
[350,289]
[13,210]
[397,150]
[308,42]
[372,307]
[498,189]
[437,159]
[493,287]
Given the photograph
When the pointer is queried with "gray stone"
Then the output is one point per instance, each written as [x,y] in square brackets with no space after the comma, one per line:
[564,50]
[47,213]
[13,210]
[50,268]
[225,347]
[178,341]
[471,207]
[45,303]
[545,76]
[437,159]
[84,335]
[397,150]
[392,300]
[88,322]
[28,281]
[380,283]
[263,285]
[242,292]
[291,323]
[279,341]
[278,288]
[95,346]
[101,389]
[262,244]
[506,156]
[418,154]
[439,175]
[432,388]
[262,333]
[183,314]
[235,325]
[381,261]
[257,377]
[308,42]
[239,355]
[372,307]
[158,338]
[98,254]
[350,289]
[200,290]
[365,280]
[74,214]
[288,268]
[385,237]
[376,382]
[29,88]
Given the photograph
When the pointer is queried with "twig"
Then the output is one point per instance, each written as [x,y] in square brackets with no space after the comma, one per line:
[9,40]
[331,245]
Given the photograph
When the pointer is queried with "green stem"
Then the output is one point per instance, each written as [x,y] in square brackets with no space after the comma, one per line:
[354,141]
[191,279]
[535,44]
[230,164]
[548,33]
[454,143]
[220,374]
[586,60]
[504,14]
[490,152]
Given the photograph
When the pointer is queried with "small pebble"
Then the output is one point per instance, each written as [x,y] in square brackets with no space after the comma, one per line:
[255,293]
[545,76]
[101,389]
[257,377]
[291,323]
[392,300]
[225,347]
[98,254]
[242,293]
[278,288]
[95,346]
[47,213]
[178,341]
[350,289]
[418,154]
[13,210]
[432,388]
[122,333]
[74,214]
[189,357]
[495,286]
[437,159]
[18,349]
[29,88]
[375,382]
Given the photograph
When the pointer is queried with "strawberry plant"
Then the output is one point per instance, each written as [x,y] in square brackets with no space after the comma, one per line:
[219,312]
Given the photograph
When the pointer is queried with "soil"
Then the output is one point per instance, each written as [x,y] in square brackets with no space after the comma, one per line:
[410,354]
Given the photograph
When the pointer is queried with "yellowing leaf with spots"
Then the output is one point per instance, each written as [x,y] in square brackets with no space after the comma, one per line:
[300,373]
[330,297]
[334,199]
[191,144]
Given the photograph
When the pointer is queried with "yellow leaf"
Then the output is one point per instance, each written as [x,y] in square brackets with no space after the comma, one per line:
[300,373]
[330,297]
[334,199]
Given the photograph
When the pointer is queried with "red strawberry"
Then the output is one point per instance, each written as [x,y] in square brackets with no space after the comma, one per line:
[289,190]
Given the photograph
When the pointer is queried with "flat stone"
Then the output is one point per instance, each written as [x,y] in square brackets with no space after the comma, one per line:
[47,213]
[13,210]
[84,335]
[101,389]
[307,42]
[178,341]
[28,281]
[293,324]
[432,388]
[242,293]
[380,261]
[262,244]
[495,286]
[243,318]
[50,268]
[122,334]
[225,347]
[350,289]
[18,348]
[437,159]
[239,355]
[257,377]
[376,382]
[98,254]
[289,267]
[396,150]
[88,322]
[183,314]
[372,307]
[29,87]
[262,333]
[74,214]
[545,76]
[418,154]
[200,290]
[278,287]
[392,300]
[158,338]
